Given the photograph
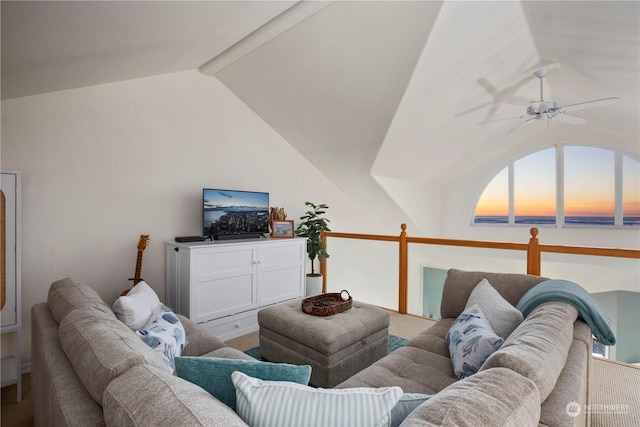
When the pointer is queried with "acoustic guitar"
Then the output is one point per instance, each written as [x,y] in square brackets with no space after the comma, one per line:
[142,244]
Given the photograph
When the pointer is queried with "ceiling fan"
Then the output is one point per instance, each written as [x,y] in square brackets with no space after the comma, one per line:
[547,110]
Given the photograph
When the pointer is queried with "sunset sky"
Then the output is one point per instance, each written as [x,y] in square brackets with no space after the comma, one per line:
[589,185]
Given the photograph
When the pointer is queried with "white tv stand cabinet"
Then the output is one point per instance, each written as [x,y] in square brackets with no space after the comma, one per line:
[221,285]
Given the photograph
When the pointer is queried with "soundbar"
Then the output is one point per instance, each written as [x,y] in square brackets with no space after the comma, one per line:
[237,236]
[190,238]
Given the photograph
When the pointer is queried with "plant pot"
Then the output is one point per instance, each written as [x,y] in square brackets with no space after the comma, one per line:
[313,284]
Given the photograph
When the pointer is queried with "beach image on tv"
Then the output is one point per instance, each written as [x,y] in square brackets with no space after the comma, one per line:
[234,212]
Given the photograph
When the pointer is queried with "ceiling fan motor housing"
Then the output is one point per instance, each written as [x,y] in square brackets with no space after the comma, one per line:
[537,107]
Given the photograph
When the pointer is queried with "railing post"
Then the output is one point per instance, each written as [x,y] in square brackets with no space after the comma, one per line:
[533,253]
[323,263]
[403,279]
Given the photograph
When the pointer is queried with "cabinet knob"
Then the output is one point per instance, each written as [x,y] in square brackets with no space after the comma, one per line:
[176,249]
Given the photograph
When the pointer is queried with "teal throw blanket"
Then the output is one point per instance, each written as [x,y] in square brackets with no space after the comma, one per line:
[576,295]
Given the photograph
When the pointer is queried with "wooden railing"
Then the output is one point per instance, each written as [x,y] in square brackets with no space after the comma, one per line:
[533,250]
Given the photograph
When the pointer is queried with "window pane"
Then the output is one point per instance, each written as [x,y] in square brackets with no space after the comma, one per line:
[589,186]
[630,191]
[534,180]
[493,206]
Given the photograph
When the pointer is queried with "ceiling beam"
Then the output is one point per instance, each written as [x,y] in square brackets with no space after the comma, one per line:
[278,25]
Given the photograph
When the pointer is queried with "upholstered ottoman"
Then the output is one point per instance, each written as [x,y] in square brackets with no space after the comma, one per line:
[335,346]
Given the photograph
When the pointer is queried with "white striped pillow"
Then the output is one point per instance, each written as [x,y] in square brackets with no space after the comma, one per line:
[280,403]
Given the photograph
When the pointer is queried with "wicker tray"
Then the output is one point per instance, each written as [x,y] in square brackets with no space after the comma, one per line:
[327,304]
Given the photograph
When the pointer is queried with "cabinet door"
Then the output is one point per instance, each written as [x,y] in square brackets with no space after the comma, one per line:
[223,281]
[9,242]
[280,272]
[177,287]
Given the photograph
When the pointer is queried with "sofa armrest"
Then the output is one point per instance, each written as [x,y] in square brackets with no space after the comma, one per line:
[57,394]
[199,341]
[496,397]
[147,396]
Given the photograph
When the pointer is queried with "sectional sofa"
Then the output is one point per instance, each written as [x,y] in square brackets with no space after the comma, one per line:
[539,376]
[88,368]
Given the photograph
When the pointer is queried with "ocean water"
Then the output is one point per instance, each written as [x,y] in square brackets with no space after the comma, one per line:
[211,216]
[551,220]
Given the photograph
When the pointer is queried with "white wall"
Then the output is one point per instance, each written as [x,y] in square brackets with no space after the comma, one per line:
[104,164]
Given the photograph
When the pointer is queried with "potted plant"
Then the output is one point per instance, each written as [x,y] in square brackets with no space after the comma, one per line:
[311,227]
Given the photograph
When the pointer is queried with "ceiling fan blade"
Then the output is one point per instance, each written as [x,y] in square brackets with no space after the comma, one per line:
[568,118]
[517,100]
[492,111]
[491,89]
[471,110]
[590,104]
[501,120]
[513,129]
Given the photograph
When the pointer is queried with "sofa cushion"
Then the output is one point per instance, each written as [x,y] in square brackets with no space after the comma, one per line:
[67,294]
[495,397]
[471,341]
[199,340]
[421,366]
[281,403]
[136,307]
[459,284]
[214,374]
[146,396]
[101,348]
[502,316]
[538,348]
[165,335]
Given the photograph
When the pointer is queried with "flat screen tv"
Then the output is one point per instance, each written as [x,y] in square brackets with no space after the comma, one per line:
[233,214]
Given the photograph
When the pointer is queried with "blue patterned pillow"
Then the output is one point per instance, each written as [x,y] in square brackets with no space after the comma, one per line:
[287,404]
[471,341]
[165,334]
[214,374]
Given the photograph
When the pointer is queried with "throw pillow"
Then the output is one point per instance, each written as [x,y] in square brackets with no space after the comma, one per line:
[135,308]
[471,341]
[165,334]
[280,403]
[407,403]
[502,316]
[214,374]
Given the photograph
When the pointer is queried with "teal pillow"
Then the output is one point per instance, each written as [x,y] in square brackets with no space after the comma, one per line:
[214,374]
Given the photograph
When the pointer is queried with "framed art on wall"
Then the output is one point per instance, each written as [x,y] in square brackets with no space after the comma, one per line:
[282,229]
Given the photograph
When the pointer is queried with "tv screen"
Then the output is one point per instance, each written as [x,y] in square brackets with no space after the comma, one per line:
[234,213]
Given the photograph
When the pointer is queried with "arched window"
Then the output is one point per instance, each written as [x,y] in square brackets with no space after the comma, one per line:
[564,185]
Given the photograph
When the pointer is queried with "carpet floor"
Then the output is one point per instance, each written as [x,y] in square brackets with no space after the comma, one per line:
[614,394]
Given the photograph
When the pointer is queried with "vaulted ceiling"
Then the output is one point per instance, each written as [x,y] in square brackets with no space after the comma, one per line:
[370,92]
